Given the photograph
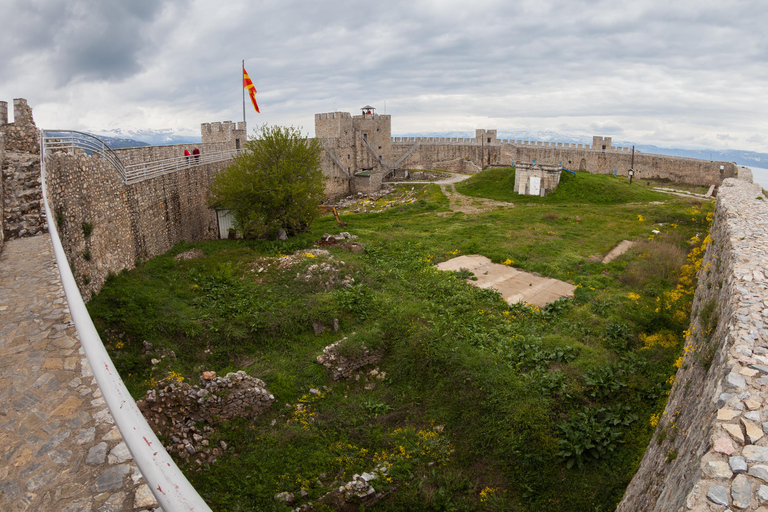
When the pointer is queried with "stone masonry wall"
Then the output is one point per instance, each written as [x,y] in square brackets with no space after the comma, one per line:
[2,202]
[21,134]
[106,226]
[709,451]
[22,212]
[433,154]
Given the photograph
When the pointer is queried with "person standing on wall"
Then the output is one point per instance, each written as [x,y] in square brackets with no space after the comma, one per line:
[196,154]
[187,155]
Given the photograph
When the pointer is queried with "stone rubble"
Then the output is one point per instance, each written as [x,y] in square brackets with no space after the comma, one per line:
[175,410]
[371,202]
[358,491]
[345,366]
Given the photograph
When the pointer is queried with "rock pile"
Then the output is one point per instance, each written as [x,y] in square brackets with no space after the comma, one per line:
[192,254]
[174,410]
[327,274]
[298,256]
[345,366]
[375,202]
[341,240]
[358,491]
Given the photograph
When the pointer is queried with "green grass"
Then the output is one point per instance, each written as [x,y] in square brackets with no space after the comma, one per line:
[581,188]
[544,410]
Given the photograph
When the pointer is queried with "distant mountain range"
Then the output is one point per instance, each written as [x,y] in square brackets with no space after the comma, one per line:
[119,138]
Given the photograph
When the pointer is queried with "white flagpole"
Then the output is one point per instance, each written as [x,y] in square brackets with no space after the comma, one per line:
[242,85]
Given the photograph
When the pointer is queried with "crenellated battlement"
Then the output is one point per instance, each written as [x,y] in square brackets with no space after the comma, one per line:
[514,142]
[22,113]
[333,115]
[21,134]
[226,131]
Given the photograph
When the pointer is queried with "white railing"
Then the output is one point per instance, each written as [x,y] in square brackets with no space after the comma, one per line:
[70,141]
[145,170]
[170,487]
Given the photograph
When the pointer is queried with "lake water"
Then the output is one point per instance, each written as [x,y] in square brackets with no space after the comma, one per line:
[760,176]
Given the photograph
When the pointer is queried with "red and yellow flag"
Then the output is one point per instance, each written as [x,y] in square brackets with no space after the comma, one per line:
[251,89]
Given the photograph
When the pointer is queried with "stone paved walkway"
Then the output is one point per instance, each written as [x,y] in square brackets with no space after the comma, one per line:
[59,448]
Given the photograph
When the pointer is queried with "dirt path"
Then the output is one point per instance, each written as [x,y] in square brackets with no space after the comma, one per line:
[460,202]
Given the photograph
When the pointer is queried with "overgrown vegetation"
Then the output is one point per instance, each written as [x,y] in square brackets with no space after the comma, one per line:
[581,187]
[483,405]
[275,183]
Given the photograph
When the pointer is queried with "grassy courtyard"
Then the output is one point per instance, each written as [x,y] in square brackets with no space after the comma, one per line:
[476,404]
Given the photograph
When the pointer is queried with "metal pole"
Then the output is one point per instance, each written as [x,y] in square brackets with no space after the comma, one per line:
[242,78]
[482,152]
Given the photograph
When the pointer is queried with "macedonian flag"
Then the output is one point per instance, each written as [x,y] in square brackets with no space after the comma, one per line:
[251,89]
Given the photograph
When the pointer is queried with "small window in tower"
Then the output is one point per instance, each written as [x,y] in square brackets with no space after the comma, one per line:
[489,140]
[349,156]
[365,136]
[379,147]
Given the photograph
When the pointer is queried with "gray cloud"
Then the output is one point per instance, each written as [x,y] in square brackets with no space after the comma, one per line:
[685,70]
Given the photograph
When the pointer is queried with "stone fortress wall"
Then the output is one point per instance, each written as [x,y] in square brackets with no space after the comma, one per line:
[601,157]
[710,449]
[347,155]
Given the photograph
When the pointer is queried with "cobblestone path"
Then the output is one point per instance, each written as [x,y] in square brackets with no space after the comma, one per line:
[59,448]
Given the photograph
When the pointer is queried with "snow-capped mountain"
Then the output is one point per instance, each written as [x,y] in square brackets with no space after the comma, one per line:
[148,137]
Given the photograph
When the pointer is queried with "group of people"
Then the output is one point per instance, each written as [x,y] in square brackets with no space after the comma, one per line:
[195,153]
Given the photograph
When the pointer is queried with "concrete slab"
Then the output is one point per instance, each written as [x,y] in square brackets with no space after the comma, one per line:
[617,251]
[513,284]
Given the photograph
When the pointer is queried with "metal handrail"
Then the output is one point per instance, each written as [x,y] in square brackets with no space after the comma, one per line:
[70,140]
[168,484]
[143,170]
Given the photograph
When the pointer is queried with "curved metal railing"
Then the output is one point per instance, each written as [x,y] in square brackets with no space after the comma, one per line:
[144,170]
[170,487]
[71,141]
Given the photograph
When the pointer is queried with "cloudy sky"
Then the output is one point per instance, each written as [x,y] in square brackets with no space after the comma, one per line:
[685,73]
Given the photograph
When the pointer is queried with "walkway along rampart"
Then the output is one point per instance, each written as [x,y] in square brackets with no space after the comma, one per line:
[710,450]
[108,221]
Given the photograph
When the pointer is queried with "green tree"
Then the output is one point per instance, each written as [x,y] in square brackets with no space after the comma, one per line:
[275,183]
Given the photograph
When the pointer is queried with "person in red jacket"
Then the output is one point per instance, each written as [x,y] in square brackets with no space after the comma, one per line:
[187,155]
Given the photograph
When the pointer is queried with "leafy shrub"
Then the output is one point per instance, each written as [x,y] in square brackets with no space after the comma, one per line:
[357,299]
[617,335]
[593,433]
